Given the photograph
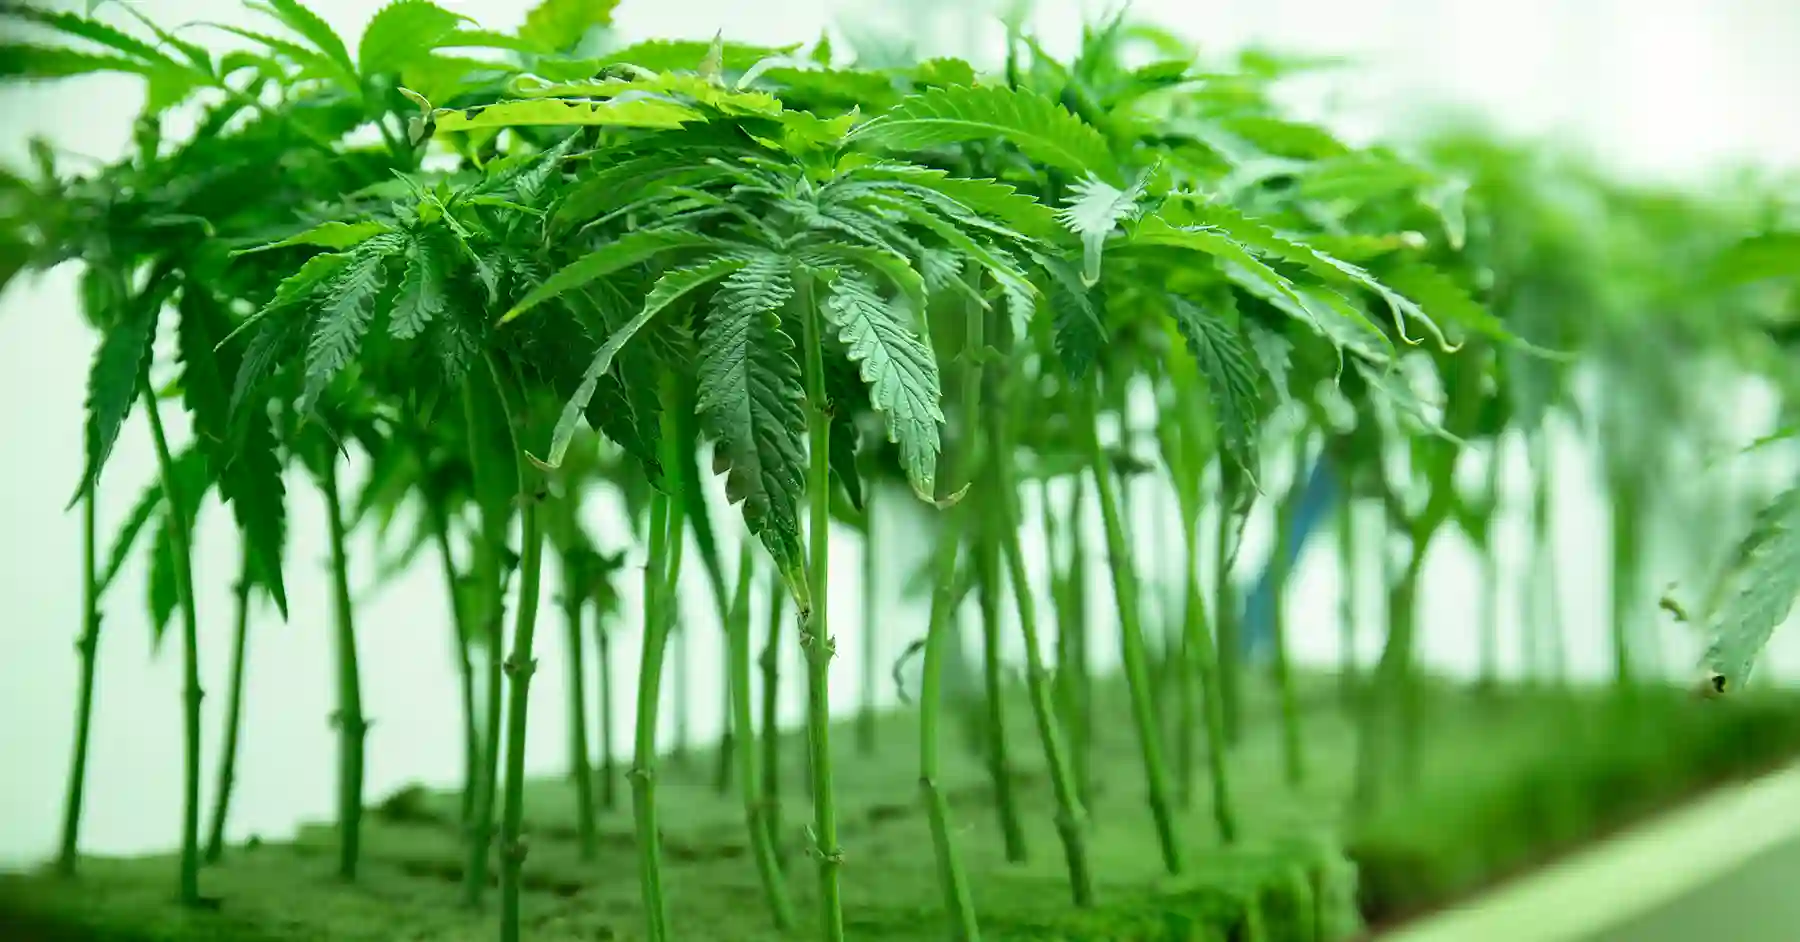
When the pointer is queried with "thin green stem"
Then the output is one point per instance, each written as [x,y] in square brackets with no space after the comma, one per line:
[179,536]
[465,668]
[87,647]
[871,640]
[1625,569]
[762,842]
[1349,598]
[1293,754]
[215,840]
[815,634]
[1131,641]
[959,905]
[643,771]
[487,619]
[1225,603]
[581,772]
[1073,621]
[1204,657]
[609,789]
[519,667]
[1071,819]
[352,726]
[986,550]
[770,740]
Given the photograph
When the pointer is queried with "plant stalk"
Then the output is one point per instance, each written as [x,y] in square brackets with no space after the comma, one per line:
[770,740]
[465,668]
[1071,819]
[959,905]
[643,771]
[581,771]
[1204,659]
[986,549]
[1293,753]
[180,537]
[762,841]
[352,726]
[520,665]
[215,840]
[609,777]
[1131,641]
[86,647]
[1226,612]
[871,640]
[815,636]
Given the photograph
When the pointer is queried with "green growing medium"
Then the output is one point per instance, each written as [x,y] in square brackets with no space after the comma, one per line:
[564,267]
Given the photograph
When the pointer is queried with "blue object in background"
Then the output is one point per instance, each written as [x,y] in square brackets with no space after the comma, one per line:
[1258,625]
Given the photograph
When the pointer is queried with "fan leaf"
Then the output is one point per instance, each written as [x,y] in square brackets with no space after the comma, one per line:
[899,368]
[750,395]
[1040,128]
[669,288]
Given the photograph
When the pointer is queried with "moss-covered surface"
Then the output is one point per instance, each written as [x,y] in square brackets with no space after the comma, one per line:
[1505,777]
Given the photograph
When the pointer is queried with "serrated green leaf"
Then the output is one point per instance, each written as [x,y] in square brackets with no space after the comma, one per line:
[90,29]
[330,235]
[424,287]
[401,33]
[750,395]
[684,55]
[669,288]
[527,112]
[1092,211]
[1763,582]
[1079,334]
[1438,296]
[1213,241]
[162,586]
[560,25]
[621,253]
[684,86]
[310,26]
[1234,376]
[29,61]
[346,309]
[245,466]
[899,368]
[119,365]
[987,198]
[1042,129]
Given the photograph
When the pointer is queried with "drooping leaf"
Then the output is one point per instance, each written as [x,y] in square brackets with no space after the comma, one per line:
[750,395]
[330,235]
[899,368]
[347,306]
[527,112]
[634,248]
[1234,377]
[401,33]
[669,288]
[113,380]
[31,61]
[1210,240]
[560,25]
[1042,129]
[1093,211]
[1080,335]
[1759,590]
[163,595]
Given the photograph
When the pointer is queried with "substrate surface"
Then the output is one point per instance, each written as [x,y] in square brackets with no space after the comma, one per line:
[1285,881]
